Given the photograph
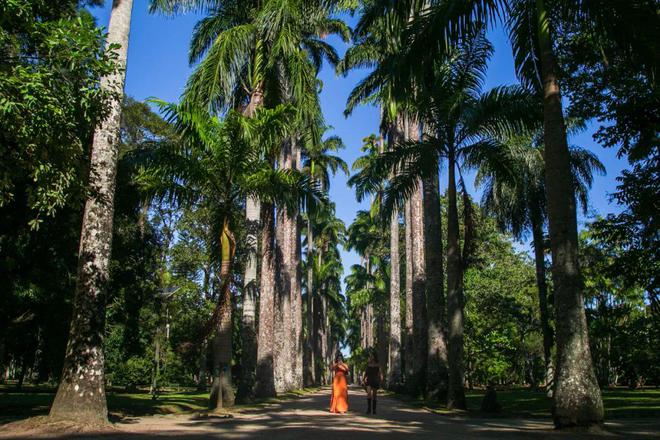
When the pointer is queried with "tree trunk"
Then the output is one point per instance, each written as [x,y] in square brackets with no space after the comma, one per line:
[394,367]
[222,392]
[394,373]
[296,281]
[437,373]
[310,342]
[539,260]
[318,338]
[408,334]
[456,393]
[248,324]
[265,386]
[287,362]
[81,393]
[577,399]
[419,312]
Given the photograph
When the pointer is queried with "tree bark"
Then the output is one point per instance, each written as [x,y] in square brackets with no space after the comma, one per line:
[419,311]
[310,335]
[248,324]
[288,355]
[222,391]
[456,392]
[296,281]
[81,393]
[394,376]
[250,290]
[437,372]
[577,398]
[408,332]
[539,260]
[265,386]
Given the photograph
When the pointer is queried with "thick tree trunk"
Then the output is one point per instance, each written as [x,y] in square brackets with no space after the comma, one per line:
[394,373]
[539,260]
[222,391]
[296,282]
[577,399]
[250,290]
[437,372]
[248,324]
[456,393]
[408,329]
[394,378]
[288,355]
[81,393]
[265,386]
[420,326]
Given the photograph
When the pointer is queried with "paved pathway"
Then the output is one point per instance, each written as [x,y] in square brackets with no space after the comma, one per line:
[308,418]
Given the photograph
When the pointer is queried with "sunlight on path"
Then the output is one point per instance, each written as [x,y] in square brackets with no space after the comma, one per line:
[308,418]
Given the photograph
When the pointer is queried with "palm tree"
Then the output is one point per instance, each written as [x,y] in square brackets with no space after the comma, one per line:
[318,163]
[532,26]
[460,119]
[219,164]
[512,175]
[81,394]
[265,53]
[326,270]
[381,38]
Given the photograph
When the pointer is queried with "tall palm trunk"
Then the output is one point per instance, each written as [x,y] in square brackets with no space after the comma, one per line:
[419,312]
[437,373]
[265,386]
[286,332]
[81,393]
[577,399]
[248,323]
[310,335]
[296,282]
[394,376]
[222,391]
[456,393]
[539,260]
[408,333]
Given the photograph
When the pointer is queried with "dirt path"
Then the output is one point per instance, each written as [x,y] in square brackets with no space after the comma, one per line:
[308,418]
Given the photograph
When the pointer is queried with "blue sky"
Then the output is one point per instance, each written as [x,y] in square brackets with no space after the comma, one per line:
[158,67]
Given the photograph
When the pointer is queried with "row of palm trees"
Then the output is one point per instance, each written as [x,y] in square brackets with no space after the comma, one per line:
[249,137]
[256,66]
[429,61]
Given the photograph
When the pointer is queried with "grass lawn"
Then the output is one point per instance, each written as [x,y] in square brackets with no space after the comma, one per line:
[619,403]
[36,401]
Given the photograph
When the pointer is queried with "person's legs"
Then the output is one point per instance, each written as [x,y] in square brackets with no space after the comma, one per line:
[374,396]
[369,400]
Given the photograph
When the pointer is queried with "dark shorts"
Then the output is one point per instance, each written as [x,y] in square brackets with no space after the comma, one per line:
[373,383]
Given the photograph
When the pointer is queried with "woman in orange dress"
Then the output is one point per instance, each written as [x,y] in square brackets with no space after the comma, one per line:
[339,399]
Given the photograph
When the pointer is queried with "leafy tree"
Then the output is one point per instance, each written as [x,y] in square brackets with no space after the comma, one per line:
[512,175]
[81,394]
[51,60]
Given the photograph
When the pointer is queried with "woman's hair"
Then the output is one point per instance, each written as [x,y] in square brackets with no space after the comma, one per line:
[373,355]
[339,357]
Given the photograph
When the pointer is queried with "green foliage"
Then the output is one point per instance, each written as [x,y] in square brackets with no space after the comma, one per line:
[503,342]
[623,324]
[51,61]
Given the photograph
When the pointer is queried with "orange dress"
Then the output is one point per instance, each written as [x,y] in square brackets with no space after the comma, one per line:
[339,399]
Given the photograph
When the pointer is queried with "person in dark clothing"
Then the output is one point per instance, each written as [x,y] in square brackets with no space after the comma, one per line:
[371,379]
